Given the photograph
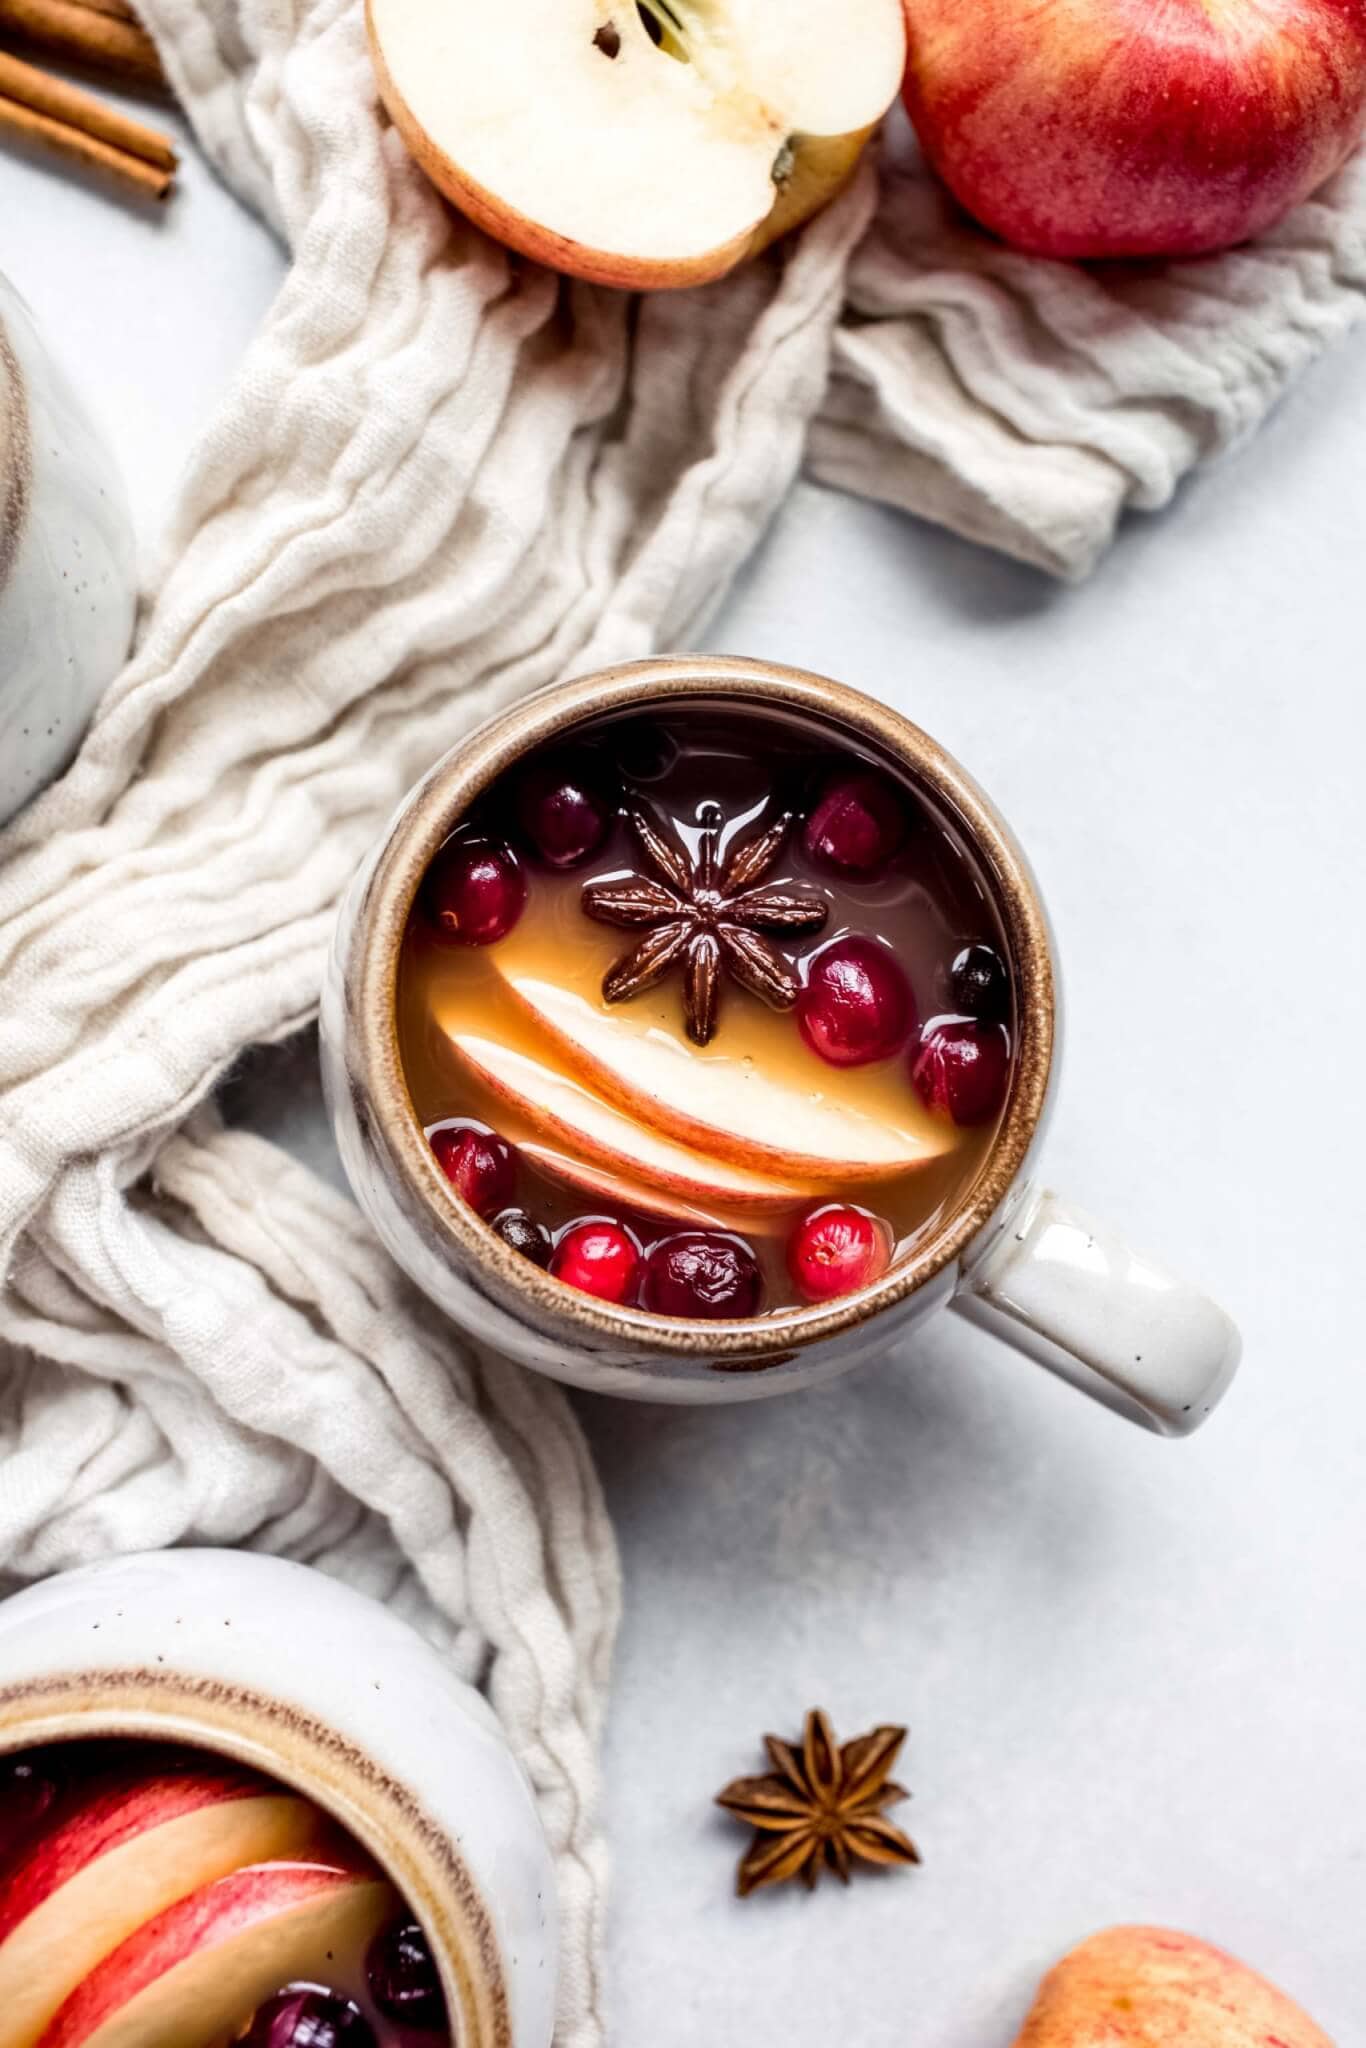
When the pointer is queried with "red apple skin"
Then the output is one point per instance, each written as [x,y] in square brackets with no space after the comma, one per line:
[109,1815]
[1136,1987]
[210,1918]
[1104,128]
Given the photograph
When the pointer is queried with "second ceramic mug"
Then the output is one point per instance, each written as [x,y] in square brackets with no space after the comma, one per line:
[1007,1253]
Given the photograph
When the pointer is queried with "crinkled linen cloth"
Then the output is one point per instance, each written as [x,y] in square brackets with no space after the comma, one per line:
[442,478]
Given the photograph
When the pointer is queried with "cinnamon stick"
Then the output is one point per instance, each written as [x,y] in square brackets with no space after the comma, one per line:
[80,147]
[25,85]
[105,42]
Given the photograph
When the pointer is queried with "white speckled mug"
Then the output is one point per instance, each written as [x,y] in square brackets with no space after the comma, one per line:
[1008,1253]
[68,568]
[277,1667]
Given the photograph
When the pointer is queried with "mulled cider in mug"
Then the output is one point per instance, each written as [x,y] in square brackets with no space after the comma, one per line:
[704,1016]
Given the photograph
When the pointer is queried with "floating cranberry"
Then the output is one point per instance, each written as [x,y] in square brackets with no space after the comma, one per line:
[27,1790]
[645,752]
[701,1273]
[857,1005]
[962,1069]
[474,892]
[480,1166]
[834,1250]
[979,984]
[525,1235]
[598,1258]
[302,2016]
[858,825]
[403,1978]
[563,817]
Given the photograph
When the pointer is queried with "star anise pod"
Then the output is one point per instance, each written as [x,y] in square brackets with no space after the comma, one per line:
[821,1807]
[704,917]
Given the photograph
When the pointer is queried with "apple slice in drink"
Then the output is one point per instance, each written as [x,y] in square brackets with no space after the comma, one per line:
[614,1192]
[638,145]
[117,1858]
[579,1123]
[755,1099]
[194,1975]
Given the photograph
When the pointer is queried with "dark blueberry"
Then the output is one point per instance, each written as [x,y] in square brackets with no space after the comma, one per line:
[403,1978]
[27,1790]
[525,1235]
[701,1273]
[979,985]
[645,752]
[305,2016]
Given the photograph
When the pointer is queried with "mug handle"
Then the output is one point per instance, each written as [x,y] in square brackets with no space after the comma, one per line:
[1073,1296]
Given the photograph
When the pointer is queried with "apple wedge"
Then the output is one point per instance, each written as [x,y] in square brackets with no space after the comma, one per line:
[191,1977]
[638,145]
[614,1192]
[580,1123]
[118,1858]
[769,1119]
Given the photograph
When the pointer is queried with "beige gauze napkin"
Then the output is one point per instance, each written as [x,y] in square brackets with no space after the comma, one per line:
[442,478]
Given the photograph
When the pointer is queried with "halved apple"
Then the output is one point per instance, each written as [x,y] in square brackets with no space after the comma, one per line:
[581,1124]
[117,1858]
[767,1115]
[195,1974]
[643,144]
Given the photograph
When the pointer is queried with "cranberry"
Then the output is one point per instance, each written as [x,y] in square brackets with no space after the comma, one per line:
[834,1250]
[857,1005]
[699,1273]
[403,1978]
[525,1235]
[474,892]
[978,983]
[645,752]
[480,1166]
[563,817]
[963,1068]
[858,824]
[598,1258]
[27,1790]
[302,2016]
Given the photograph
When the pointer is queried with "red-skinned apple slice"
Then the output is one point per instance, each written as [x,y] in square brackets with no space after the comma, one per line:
[638,146]
[118,1857]
[195,1974]
[734,1106]
[614,1192]
[580,1124]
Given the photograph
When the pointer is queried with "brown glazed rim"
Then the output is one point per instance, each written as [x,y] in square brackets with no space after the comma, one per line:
[553,713]
[16,455]
[270,1736]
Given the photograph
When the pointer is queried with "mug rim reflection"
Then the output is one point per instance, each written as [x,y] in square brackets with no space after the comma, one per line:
[554,714]
[267,1734]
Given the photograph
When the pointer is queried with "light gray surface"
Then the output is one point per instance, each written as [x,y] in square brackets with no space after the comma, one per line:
[1135,1672]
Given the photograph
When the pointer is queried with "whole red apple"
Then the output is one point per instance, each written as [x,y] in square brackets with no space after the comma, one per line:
[1089,128]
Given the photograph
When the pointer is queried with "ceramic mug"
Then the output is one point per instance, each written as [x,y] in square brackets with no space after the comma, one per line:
[287,1671]
[68,567]
[1007,1253]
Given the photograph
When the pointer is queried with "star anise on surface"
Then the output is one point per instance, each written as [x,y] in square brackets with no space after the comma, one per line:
[821,1807]
[705,916]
